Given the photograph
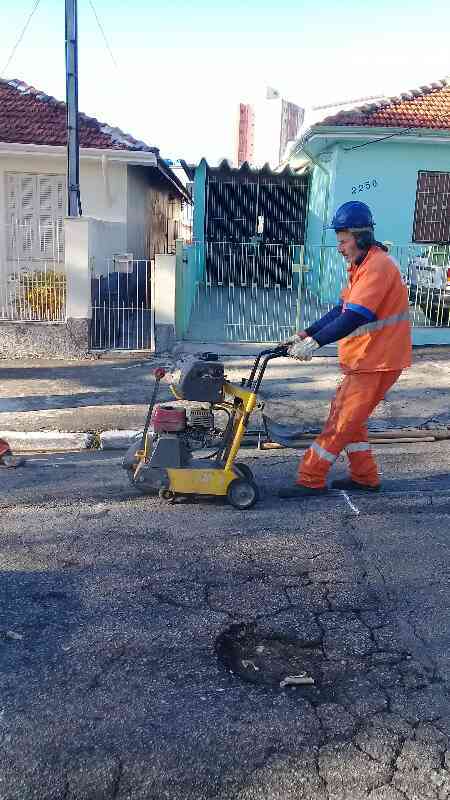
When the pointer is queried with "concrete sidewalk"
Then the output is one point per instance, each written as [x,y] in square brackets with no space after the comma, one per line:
[111,393]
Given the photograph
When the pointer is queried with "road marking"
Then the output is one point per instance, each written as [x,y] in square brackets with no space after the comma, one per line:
[353,507]
[81,464]
[134,366]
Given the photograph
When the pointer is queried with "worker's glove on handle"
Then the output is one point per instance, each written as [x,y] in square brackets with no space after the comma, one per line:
[303,350]
[296,337]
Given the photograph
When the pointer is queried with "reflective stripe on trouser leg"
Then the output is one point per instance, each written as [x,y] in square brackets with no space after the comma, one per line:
[357,447]
[363,467]
[355,400]
[315,466]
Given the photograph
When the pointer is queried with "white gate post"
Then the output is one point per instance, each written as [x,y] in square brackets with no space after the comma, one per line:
[78,279]
[77,257]
[165,302]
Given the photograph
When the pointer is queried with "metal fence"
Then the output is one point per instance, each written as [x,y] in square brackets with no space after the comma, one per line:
[426,271]
[32,274]
[122,316]
[262,292]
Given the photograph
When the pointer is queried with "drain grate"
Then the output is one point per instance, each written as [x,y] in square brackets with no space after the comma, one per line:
[269,660]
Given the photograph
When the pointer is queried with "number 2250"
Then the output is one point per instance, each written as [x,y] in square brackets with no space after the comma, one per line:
[364,187]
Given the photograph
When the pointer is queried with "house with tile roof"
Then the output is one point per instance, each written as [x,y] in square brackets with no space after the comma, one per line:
[394,155]
[129,195]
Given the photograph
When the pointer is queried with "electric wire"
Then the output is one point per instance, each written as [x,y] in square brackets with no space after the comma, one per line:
[21,35]
[404,132]
[102,31]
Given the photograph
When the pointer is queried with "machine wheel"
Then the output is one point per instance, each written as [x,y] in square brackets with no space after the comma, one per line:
[242,493]
[245,472]
[167,495]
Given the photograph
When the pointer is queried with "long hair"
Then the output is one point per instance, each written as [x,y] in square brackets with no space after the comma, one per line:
[365,239]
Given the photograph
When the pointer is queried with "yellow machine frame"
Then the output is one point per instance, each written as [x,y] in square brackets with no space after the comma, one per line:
[199,478]
[215,481]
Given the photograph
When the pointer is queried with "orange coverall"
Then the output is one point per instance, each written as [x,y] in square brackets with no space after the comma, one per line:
[372,359]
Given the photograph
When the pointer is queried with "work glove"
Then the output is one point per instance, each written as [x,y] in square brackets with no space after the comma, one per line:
[303,350]
[296,337]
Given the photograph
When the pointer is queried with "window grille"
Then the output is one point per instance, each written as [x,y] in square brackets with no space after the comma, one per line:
[432,214]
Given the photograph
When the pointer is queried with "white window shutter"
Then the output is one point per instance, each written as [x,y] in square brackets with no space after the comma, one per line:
[27,215]
[35,216]
[60,205]
[47,221]
[12,215]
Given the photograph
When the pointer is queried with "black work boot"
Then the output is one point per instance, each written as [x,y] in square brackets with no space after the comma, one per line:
[298,492]
[348,483]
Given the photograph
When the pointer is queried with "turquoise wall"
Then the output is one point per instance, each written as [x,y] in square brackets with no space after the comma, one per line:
[383,175]
[393,165]
[327,270]
[199,193]
[319,191]
[190,272]
[196,263]
[317,201]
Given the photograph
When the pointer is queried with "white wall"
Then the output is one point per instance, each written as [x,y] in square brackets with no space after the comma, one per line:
[105,239]
[90,244]
[103,186]
[137,210]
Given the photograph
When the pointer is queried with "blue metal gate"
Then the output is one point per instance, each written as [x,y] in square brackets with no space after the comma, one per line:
[263,292]
[121,306]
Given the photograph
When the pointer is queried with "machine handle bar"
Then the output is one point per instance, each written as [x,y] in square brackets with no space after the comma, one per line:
[277,352]
[159,374]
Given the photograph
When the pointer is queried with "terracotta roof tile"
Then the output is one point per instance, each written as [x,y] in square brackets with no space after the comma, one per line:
[427,107]
[28,116]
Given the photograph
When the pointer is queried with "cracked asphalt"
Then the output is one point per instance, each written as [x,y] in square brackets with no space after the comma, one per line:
[111,604]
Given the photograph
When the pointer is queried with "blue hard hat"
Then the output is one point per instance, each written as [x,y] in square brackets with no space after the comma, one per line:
[352,215]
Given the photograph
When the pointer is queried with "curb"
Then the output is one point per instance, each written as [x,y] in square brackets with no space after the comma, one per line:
[23,442]
[30,441]
[118,440]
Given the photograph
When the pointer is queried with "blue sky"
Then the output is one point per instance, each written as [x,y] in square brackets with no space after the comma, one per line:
[184,67]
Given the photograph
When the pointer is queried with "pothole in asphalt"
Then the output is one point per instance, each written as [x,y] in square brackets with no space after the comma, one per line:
[272,661]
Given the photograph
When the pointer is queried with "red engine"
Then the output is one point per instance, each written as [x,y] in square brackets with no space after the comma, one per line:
[167,419]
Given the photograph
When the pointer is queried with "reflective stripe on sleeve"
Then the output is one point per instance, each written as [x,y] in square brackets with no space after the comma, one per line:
[365,312]
[371,327]
[322,453]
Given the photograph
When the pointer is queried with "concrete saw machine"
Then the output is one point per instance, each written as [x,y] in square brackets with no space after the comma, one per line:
[165,460]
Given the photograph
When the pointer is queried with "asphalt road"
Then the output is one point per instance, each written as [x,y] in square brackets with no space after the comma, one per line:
[111,606]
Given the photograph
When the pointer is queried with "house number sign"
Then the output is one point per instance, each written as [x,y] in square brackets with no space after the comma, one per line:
[372,183]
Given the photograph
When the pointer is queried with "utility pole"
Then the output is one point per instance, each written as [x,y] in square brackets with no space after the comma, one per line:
[73,146]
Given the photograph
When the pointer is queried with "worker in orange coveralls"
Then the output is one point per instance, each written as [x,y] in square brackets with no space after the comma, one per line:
[374,332]
[7,460]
